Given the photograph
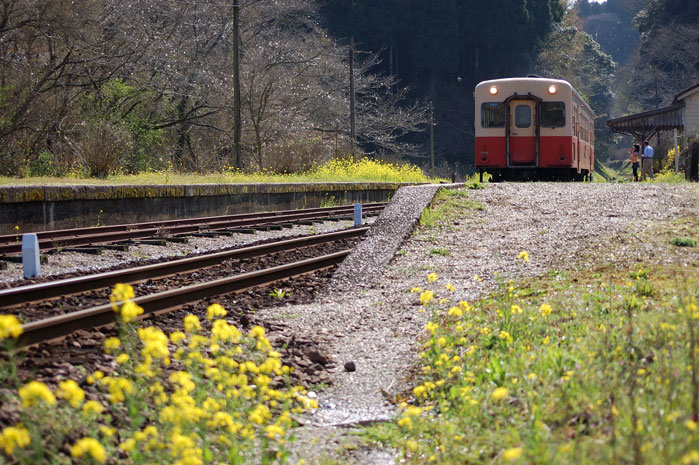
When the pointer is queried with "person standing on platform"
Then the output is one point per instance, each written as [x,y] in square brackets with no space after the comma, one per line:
[634,152]
[647,161]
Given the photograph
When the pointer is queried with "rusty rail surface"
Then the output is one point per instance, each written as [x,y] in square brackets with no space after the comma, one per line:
[44,291]
[55,235]
[63,325]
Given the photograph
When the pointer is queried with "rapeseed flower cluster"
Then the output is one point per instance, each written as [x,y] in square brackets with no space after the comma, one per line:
[34,393]
[221,399]
[9,327]
[14,437]
[91,447]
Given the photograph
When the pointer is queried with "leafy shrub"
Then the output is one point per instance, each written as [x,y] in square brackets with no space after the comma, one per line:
[683,242]
[102,146]
[295,156]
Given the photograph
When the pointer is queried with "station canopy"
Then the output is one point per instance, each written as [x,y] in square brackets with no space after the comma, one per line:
[644,125]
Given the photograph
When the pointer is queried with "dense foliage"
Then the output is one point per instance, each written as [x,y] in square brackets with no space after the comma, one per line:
[443,49]
[91,88]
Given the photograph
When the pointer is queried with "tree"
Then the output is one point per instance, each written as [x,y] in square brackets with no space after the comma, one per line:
[572,54]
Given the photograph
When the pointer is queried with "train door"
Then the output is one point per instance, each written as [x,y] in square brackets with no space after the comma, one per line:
[522,132]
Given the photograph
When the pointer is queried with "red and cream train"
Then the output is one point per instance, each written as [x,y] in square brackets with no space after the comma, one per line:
[533,128]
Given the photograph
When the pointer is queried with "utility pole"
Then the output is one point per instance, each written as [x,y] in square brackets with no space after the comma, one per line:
[236,82]
[353,114]
[431,139]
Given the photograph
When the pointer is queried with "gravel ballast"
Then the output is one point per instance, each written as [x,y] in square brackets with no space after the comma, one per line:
[368,318]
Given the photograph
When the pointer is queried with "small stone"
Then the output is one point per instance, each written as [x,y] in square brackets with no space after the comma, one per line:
[350,366]
[317,357]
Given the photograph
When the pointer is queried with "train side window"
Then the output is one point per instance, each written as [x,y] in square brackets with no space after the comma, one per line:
[523,116]
[493,115]
[553,114]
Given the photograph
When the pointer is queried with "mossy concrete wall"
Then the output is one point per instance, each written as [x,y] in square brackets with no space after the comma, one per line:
[39,208]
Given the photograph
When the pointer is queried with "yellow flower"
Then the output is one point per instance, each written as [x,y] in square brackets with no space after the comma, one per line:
[257,331]
[215,311]
[154,344]
[191,324]
[177,336]
[545,310]
[71,392]
[499,393]
[35,392]
[690,457]
[89,446]
[505,336]
[426,297]
[465,306]
[523,255]
[130,311]
[691,425]
[14,436]
[454,311]
[431,327]
[107,431]
[128,445]
[10,326]
[416,290]
[222,331]
[510,455]
[111,343]
[450,287]
[432,277]
[273,431]
[122,358]
[121,293]
[92,406]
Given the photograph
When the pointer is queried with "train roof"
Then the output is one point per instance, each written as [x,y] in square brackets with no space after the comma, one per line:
[530,79]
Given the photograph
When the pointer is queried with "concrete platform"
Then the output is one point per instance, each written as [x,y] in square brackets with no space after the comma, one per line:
[40,208]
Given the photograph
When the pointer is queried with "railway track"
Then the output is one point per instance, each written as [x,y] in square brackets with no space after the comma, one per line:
[52,240]
[54,327]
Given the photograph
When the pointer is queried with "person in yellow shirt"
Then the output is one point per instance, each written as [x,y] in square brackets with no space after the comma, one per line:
[633,155]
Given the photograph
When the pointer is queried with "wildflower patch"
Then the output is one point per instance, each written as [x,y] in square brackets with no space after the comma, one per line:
[597,368]
[192,397]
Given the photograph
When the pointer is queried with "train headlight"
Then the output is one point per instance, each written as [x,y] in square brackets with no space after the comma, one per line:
[493,90]
[552,89]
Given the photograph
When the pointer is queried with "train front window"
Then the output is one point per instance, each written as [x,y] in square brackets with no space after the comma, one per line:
[553,114]
[523,116]
[493,115]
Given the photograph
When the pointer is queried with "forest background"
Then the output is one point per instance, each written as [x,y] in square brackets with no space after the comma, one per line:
[94,88]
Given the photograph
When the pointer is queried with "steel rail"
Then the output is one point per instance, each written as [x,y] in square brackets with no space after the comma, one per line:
[57,233]
[48,290]
[107,237]
[63,325]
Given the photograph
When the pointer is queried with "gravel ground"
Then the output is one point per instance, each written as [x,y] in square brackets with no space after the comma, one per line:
[67,262]
[367,316]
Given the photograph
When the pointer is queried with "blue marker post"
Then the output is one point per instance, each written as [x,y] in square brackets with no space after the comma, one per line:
[357,214]
[31,256]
